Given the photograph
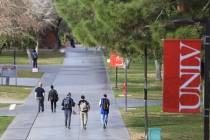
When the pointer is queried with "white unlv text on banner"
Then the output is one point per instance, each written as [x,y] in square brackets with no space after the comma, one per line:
[190,78]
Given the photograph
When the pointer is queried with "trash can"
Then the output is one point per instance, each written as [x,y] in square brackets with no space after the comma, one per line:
[154,133]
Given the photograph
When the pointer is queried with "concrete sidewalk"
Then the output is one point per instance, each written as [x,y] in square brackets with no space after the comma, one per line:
[84,73]
[26,115]
[21,81]
[137,102]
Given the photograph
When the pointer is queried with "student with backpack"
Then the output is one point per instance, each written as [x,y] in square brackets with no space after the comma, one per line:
[53,98]
[34,57]
[104,104]
[67,105]
[84,107]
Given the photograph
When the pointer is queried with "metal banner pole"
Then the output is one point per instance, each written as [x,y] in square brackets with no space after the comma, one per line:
[126,85]
[116,79]
[207,81]
[145,94]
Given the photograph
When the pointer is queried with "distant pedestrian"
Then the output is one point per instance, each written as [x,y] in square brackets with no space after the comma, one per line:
[53,98]
[72,43]
[39,95]
[84,107]
[67,105]
[104,104]
[34,57]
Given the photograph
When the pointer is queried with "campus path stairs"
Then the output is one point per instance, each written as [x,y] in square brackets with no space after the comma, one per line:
[83,73]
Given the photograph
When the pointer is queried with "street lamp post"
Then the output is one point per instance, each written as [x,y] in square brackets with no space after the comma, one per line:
[206,23]
[116,77]
[206,80]
[126,85]
[145,94]
[14,55]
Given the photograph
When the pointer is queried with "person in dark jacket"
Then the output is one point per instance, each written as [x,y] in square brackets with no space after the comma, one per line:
[72,43]
[39,96]
[34,57]
[53,98]
[67,105]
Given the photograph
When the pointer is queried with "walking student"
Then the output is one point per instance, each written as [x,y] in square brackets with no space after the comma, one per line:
[67,105]
[34,57]
[53,98]
[39,96]
[84,107]
[104,104]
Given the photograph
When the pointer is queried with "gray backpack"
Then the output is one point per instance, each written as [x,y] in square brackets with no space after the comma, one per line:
[84,106]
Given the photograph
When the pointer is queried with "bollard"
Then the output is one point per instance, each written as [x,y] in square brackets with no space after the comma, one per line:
[154,133]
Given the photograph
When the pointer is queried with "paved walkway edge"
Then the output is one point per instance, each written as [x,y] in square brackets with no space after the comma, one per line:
[20,127]
[110,88]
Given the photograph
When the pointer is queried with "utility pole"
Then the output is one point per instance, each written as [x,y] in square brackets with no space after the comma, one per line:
[206,80]
[206,24]
[145,94]
[116,77]
[126,85]
[14,55]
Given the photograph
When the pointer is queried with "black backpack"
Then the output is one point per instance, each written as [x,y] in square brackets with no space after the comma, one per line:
[68,103]
[56,97]
[105,104]
[53,95]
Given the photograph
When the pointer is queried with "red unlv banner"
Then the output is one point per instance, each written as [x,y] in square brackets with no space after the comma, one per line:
[115,60]
[181,85]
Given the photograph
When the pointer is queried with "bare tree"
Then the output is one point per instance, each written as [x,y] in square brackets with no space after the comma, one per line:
[22,15]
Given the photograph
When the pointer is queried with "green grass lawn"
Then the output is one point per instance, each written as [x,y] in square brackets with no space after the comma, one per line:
[3,105]
[4,121]
[136,81]
[173,126]
[45,57]
[6,105]
[29,74]
[15,93]
[50,57]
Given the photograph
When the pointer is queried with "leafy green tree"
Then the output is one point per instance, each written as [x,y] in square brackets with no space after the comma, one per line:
[161,26]
[104,23]
[3,42]
[128,26]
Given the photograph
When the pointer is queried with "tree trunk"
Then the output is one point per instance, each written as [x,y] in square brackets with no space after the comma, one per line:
[29,55]
[1,49]
[37,46]
[129,62]
[158,70]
